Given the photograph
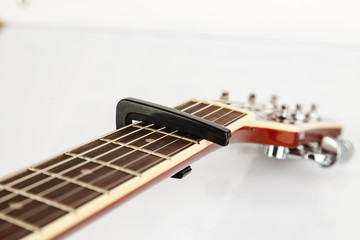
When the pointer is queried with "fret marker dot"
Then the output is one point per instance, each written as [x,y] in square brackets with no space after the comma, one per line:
[86,171]
[15,205]
[149,140]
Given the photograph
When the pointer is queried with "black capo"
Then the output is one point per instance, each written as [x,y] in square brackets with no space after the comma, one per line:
[130,109]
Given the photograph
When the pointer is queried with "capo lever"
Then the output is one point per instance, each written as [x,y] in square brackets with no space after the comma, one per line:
[130,109]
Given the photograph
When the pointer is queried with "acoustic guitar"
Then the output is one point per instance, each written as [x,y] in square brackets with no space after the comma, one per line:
[151,143]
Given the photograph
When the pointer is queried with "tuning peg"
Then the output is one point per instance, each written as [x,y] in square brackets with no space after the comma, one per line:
[313,114]
[339,150]
[224,97]
[284,112]
[252,99]
[273,101]
[298,114]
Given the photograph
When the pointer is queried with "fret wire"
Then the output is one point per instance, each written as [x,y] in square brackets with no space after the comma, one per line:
[220,108]
[168,134]
[179,138]
[193,105]
[130,141]
[64,183]
[124,169]
[104,164]
[54,165]
[172,135]
[70,180]
[69,169]
[7,197]
[39,208]
[19,223]
[137,148]
[222,116]
[201,117]
[134,140]
[23,202]
[105,175]
[155,150]
[99,178]
[21,179]
[165,145]
[26,214]
[189,144]
[235,119]
[71,158]
[65,161]
[117,158]
[38,198]
[57,186]
[203,108]
[67,194]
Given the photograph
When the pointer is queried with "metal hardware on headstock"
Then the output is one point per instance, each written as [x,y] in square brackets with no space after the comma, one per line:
[329,152]
[326,152]
[271,111]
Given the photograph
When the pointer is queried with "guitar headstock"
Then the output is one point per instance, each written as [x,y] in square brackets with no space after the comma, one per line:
[290,132]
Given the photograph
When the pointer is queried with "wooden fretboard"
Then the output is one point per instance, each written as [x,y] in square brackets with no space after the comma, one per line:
[46,199]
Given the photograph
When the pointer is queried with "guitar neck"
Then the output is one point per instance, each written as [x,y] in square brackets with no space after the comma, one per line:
[49,198]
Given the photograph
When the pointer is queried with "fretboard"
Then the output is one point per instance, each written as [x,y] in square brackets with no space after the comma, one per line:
[48,198]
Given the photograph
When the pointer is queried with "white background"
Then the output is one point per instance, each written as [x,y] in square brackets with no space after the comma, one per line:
[331,21]
[64,66]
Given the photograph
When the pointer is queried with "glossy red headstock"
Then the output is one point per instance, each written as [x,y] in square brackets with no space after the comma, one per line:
[289,132]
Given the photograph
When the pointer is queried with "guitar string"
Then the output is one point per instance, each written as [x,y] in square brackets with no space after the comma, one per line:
[79,188]
[161,147]
[135,150]
[49,178]
[67,170]
[89,150]
[12,183]
[43,206]
[175,150]
[138,159]
[50,167]
[29,200]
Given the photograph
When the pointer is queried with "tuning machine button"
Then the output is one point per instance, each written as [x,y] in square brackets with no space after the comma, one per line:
[273,101]
[252,99]
[224,96]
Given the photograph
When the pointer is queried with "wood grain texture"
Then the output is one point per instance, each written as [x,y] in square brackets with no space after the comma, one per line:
[10,231]
[116,164]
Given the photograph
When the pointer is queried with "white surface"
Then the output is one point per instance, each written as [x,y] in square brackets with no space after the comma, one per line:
[59,88]
[334,21]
